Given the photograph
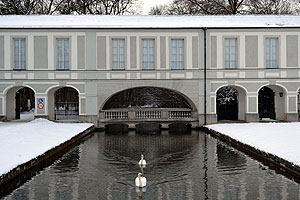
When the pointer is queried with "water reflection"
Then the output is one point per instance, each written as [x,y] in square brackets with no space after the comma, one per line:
[190,166]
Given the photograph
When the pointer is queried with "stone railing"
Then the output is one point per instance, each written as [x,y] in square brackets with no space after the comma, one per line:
[145,114]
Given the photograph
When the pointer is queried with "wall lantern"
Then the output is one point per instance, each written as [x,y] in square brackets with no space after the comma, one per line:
[280,94]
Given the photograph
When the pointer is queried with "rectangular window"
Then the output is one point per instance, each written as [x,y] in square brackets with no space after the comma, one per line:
[230,53]
[148,54]
[63,58]
[118,54]
[271,53]
[177,53]
[19,54]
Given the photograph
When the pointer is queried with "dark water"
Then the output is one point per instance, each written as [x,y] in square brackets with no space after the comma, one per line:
[192,166]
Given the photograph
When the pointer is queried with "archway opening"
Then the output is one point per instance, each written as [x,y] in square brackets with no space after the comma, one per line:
[271,102]
[66,104]
[148,103]
[20,103]
[227,103]
[147,97]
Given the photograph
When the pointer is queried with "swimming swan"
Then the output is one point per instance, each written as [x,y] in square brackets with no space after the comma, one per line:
[140,181]
[142,161]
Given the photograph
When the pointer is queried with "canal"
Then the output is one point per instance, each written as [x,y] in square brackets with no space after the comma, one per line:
[187,166]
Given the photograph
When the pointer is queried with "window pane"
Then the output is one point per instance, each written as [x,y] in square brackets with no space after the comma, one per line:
[174,43]
[151,43]
[23,54]
[174,51]
[180,43]
[16,51]
[226,42]
[145,44]
[115,43]
[180,50]
[121,43]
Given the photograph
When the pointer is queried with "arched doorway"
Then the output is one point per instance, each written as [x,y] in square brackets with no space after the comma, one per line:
[227,103]
[66,104]
[20,103]
[266,103]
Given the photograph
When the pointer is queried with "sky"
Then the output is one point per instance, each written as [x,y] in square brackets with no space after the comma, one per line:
[147,4]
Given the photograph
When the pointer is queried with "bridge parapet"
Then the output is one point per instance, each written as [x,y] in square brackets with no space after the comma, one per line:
[148,114]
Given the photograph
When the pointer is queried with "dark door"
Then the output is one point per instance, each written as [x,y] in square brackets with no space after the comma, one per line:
[266,103]
[227,104]
[17,105]
[228,111]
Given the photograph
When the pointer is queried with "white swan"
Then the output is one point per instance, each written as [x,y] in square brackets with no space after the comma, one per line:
[140,181]
[142,161]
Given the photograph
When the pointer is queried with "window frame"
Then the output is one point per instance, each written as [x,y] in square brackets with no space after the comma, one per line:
[118,39]
[176,53]
[277,51]
[57,39]
[236,53]
[148,53]
[20,56]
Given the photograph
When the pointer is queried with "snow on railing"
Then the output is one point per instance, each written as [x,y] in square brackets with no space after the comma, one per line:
[116,115]
[180,114]
[153,114]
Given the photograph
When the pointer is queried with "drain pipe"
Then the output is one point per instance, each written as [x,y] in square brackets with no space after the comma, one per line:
[205,103]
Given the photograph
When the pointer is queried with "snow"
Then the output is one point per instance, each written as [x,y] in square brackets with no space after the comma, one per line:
[280,139]
[142,21]
[22,141]
[27,115]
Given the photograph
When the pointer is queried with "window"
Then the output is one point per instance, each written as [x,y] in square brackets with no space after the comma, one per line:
[118,53]
[19,54]
[271,53]
[230,53]
[63,58]
[177,53]
[148,54]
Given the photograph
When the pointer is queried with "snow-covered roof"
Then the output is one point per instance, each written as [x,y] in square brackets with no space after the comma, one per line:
[135,21]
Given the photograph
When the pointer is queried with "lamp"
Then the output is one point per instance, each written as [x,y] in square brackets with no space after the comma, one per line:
[280,94]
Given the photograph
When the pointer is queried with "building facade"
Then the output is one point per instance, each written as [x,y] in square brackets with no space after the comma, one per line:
[98,57]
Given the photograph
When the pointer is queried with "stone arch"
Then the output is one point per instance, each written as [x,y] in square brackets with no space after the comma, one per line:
[272,101]
[61,104]
[236,99]
[19,99]
[168,91]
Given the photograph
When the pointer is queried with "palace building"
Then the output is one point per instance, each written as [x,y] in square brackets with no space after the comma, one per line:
[108,69]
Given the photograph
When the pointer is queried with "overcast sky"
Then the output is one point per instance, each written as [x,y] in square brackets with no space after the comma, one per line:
[149,3]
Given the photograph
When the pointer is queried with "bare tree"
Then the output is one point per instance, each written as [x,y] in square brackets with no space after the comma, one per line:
[101,7]
[159,10]
[268,7]
[229,7]
[28,7]
[98,7]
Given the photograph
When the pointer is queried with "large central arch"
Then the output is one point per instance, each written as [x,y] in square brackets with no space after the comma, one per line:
[148,102]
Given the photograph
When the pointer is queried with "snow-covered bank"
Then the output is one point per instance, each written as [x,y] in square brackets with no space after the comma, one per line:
[21,142]
[280,139]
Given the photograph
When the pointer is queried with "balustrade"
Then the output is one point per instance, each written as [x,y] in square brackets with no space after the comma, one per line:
[146,114]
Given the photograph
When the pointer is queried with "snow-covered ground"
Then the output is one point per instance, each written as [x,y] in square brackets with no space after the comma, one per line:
[280,139]
[23,141]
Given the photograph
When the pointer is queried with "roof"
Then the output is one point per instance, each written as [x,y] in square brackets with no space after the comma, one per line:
[146,21]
